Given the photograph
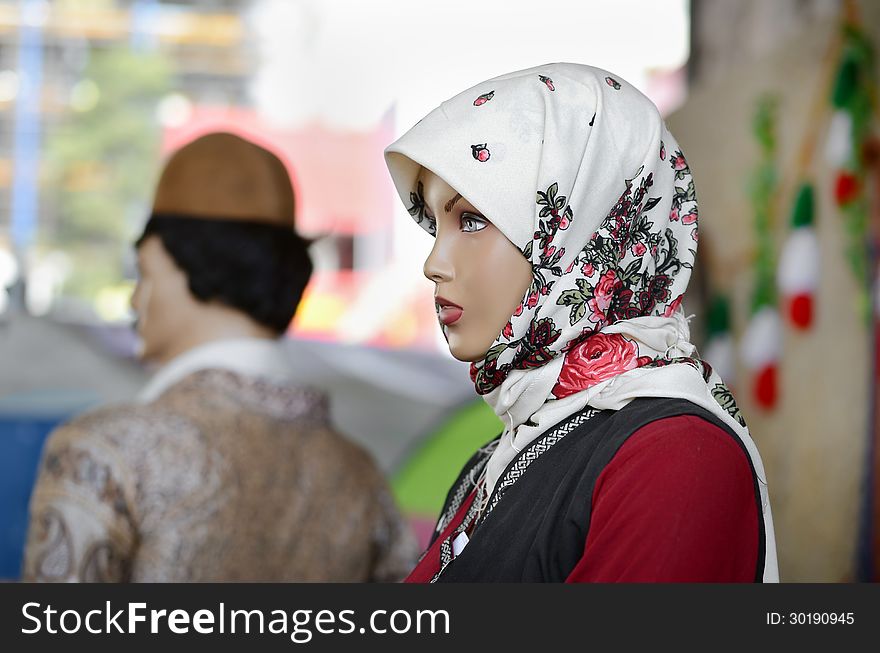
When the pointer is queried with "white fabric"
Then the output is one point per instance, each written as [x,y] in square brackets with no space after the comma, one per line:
[762,340]
[253,357]
[798,270]
[838,144]
[720,353]
[577,169]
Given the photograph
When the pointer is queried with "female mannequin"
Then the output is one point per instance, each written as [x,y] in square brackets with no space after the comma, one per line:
[565,222]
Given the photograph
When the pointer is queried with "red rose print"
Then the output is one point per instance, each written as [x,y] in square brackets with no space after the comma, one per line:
[485,97]
[532,300]
[662,151]
[597,310]
[480,152]
[695,235]
[613,83]
[570,266]
[607,284]
[547,81]
[588,269]
[690,218]
[519,310]
[602,296]
[673,214]
[639,249]
[599,357]
[508,331]
[678,162]
[672,307]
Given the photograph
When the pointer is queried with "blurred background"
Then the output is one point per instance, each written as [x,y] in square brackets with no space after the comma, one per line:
[774,104]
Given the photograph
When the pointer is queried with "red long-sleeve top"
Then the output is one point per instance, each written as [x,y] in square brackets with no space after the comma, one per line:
[675,504]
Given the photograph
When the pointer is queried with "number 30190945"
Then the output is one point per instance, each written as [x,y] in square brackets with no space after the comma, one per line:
[810,618]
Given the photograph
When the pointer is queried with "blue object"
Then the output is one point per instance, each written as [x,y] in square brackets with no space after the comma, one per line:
[26,420]
[21,441]
[144,16]
[26,143]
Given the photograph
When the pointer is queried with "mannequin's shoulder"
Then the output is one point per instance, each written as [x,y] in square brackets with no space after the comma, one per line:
[331,448]
[682,445]
[117,428]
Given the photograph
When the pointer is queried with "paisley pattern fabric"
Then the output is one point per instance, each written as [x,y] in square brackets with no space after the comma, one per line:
[578,170]
[223,477]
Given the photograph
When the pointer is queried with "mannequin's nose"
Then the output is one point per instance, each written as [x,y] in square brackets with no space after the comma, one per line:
[438,268]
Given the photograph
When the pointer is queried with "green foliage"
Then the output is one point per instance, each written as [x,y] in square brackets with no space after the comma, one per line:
[855,92]
[763,186]
[802,214]
[101,162]
[719,315]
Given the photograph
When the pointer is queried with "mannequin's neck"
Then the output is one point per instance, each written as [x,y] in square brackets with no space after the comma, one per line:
[216,322]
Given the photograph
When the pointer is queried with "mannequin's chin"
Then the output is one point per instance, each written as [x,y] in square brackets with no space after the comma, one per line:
[467,358]
[461,351]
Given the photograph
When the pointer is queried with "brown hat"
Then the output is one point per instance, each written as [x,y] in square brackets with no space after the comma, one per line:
[224,177]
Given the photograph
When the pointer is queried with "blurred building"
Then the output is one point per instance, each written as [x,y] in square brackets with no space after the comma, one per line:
[45,47]
[212,48]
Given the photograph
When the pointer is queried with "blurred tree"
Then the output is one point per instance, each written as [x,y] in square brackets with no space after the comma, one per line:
[101,160]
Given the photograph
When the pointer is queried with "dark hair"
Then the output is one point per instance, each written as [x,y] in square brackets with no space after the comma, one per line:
[259,269]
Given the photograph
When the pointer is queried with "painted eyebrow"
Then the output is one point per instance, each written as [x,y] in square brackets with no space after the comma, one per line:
[451,203]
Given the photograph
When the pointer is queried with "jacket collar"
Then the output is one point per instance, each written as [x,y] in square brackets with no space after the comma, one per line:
[252,357]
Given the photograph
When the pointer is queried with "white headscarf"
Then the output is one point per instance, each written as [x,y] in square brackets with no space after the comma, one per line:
[577,169]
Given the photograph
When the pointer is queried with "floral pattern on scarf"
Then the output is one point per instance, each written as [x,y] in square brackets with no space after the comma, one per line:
[624,271]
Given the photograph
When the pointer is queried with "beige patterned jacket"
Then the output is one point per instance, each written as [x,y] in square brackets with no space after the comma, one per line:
[224,477]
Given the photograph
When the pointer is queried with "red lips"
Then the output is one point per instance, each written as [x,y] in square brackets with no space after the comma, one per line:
[447,312]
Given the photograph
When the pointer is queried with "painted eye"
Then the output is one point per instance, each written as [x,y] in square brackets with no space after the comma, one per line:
[471,223]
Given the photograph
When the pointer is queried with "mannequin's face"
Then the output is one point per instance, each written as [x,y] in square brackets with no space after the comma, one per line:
[480,276]
[164,305]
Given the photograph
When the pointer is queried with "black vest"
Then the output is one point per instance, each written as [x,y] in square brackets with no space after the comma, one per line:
[537,531]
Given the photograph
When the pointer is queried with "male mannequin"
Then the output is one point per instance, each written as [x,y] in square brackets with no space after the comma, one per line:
[224,470]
